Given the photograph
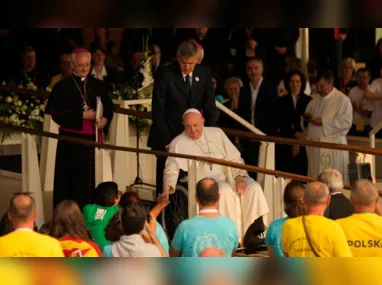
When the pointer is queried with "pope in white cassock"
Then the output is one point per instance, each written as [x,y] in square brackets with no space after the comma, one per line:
[330,118]
[241,198]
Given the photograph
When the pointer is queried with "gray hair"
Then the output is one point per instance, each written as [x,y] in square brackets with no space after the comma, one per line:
[316,193]
[187,49]
[76,54]
[364,193]
[332,178]
[233,80]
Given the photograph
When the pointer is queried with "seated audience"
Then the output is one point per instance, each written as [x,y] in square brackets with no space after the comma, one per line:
[363,229]
[126,232]
[340,206]
[23,241]
[69,228]
[131,197]
[361,116]
[98,215]
[293,207]
[208,228]
[313,235]
[346,79]
[66,68]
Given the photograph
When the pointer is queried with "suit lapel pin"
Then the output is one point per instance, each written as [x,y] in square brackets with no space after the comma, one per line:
[197,78]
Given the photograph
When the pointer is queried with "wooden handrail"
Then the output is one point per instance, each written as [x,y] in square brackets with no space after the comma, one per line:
[161,153]
[230,132]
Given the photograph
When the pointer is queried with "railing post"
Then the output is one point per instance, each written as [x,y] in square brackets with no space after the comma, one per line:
[30,174]
[372,144]
[192,180]
[48,154]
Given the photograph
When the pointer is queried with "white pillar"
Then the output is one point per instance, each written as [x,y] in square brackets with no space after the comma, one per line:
[48,154]
[31,176]
[302,45]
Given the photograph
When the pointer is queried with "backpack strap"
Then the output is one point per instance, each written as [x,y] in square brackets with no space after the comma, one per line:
[308,237]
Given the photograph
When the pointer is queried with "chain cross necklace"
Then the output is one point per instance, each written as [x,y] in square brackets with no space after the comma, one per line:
[85,107]
[206,153]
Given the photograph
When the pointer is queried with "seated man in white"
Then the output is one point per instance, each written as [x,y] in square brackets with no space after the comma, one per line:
[241,198]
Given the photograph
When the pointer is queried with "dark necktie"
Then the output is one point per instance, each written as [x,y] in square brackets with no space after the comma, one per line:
[188,86]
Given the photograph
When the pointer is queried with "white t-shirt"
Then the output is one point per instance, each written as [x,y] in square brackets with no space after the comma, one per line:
[282,90]
[355,96]
[375,106]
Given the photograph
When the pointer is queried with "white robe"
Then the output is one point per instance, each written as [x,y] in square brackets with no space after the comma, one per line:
[336,112]
[242,211]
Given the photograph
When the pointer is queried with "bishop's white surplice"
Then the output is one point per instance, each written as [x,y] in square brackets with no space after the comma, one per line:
[336,112]
[214,143]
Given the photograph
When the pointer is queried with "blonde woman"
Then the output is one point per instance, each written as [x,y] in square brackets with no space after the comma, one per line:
[346,79]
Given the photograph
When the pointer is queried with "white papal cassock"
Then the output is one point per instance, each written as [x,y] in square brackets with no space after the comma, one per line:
[214,143]
[336,112]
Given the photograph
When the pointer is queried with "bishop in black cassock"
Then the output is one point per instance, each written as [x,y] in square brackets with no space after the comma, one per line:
[72,105]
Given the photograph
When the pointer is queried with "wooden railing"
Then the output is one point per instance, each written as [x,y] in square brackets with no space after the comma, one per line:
[231,132]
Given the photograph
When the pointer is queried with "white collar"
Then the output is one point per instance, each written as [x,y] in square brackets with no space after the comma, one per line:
[82,78]
[184,75]
[335,193]
[103,72]
[258,85]
[23,230]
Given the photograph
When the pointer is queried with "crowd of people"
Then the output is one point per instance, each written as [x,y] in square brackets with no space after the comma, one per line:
[254,74]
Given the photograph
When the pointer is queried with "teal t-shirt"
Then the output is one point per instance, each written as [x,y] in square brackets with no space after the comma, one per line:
[160,234]
[96,219]
[198,233]
[274,235]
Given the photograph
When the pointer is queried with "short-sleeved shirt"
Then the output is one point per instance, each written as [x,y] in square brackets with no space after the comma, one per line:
[363,233]
[327,237]
[273,237]
[96,219]
[27,243]
[198,233]
[356,96]
[160,235]
[375,106]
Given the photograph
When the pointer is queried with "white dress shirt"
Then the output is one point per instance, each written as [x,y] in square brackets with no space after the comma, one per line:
[254,93]
[184,77]
[100,76]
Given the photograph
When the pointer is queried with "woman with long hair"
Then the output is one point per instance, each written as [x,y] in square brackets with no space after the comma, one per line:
[293,207]
[69,228]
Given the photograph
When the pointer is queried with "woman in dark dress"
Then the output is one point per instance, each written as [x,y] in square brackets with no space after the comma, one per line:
[289,123]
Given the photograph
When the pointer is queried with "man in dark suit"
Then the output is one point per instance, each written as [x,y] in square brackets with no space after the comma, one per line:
[340,206]
[256,104]
[178,87]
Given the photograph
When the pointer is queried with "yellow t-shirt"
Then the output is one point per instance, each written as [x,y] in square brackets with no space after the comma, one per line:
[327,237]
[364,234]
[29,244]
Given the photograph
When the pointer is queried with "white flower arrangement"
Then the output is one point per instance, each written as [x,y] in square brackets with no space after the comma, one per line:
[19,110]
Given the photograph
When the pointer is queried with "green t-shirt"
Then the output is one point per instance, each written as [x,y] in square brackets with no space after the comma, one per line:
[96,219]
